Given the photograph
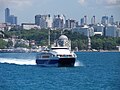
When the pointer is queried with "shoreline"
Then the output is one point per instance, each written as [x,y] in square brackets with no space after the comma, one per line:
[36,51]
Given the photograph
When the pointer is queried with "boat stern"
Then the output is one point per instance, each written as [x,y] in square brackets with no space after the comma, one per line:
[66,62]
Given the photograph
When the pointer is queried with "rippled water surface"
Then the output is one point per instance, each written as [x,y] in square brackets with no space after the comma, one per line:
[92,71]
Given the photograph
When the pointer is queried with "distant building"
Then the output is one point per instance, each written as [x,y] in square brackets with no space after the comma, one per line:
[7,14]
[111,20]
[3,26]
[98,29]
[85,30]
[118,32]
[44,21]
[10,19]
[117,23]
[59,21]
[93,21]
[29,26]
[13,19]
[83,20]
[104,20]
[111,31]
[70,24]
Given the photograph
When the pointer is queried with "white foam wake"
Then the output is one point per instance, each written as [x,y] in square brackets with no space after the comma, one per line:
[78,63]
[28,61]
[17,61]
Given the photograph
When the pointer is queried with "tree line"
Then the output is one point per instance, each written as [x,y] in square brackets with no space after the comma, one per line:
[77,40]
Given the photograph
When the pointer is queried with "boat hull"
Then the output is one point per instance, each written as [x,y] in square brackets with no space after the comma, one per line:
[60,62]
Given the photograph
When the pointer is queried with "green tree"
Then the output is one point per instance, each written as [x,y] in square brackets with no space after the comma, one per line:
[9,44]
[2,44]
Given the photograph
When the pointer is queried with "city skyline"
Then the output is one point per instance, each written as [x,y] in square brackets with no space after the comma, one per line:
[25,10]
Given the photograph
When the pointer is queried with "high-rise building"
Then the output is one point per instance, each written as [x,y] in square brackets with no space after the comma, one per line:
[13,19]
[44,21]
[93,20]
[104,20]
[7,14]
[84,20]
[111,30]
[70,23]
[118,32]
[85,30]
[98,29]
[59,21]
[10,19]
[111,20]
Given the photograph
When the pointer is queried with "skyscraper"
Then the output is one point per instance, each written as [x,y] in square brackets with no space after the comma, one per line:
[7,14]
[44,21]
[93,20]
[59,21]
[111,20]
[104,20]
[11,19]
[84,20]
[70,23]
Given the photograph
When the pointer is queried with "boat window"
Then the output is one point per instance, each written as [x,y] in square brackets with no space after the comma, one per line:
[70,55]
[45,56]
[64,55]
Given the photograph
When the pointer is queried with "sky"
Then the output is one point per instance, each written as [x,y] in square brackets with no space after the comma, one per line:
[26,10]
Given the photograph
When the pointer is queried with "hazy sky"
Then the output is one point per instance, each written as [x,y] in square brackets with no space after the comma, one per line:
[25,10]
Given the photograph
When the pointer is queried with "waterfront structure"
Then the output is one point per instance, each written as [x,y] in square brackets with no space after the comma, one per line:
[10,19]
[44,21]
[118,48]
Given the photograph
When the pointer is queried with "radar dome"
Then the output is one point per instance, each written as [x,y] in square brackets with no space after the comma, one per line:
[63,37]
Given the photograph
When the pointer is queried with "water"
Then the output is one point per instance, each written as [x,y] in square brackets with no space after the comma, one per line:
[92,71]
